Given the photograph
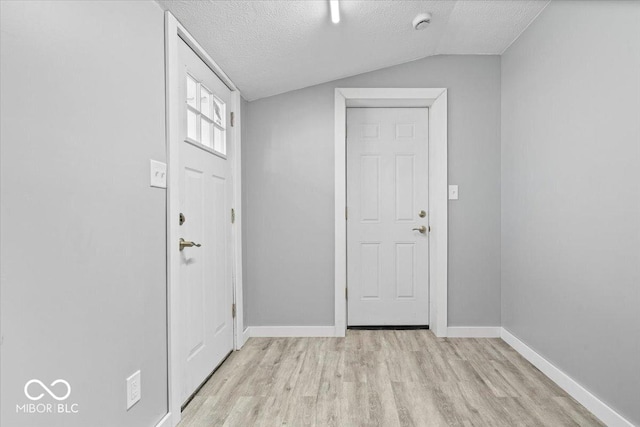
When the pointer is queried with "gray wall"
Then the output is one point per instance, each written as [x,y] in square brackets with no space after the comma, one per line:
[83,235]
[571,194]
[288,180]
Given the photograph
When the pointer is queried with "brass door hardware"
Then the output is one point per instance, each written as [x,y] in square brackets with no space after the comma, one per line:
[422,229]
[181,218]
[188,244]
[422,214]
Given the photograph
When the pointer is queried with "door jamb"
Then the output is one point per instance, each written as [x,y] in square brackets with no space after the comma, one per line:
[436,100]
[173,32]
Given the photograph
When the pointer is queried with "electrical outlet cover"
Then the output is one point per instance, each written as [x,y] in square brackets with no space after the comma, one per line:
[134,392]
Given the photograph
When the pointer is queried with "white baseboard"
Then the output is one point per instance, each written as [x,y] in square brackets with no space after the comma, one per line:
[597,407]
[474,331]
[292,331]
[165,421]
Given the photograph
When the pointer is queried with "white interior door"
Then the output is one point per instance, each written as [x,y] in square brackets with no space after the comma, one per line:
[206,296]
[387,203]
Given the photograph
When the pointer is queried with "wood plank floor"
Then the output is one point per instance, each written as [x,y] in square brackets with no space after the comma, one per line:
[381,378]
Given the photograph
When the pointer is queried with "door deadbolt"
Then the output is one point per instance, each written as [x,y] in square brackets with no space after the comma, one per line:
[422,214]
[181,218]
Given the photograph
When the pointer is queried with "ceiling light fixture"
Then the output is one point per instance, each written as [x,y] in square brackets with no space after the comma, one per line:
[335,11]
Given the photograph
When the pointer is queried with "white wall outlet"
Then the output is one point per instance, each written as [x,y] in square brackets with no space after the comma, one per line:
[453,192]
[134,392]
[157,174]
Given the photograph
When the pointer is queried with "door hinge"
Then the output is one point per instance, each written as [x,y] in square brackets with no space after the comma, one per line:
[233,310]
[233,216]
[346,293]
[346,213]
[233,117]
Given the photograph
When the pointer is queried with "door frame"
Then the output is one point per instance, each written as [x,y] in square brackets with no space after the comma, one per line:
[174,31]
[436,100]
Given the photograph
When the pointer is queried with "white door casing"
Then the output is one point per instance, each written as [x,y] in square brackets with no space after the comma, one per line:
[206,322]
[387,192]
[436,100]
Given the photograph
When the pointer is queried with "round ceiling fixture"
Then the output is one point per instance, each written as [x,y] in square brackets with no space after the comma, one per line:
[421,21]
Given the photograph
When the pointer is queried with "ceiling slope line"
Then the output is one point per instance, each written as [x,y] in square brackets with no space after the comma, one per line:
[525,28]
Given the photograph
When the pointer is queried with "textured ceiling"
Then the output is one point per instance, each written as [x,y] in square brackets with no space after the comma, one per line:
[270,47]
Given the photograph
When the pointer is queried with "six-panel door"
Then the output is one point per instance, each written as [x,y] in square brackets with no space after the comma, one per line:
[387,196]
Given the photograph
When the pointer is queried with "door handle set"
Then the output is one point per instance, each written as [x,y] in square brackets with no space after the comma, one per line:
[422,229]
[188,244]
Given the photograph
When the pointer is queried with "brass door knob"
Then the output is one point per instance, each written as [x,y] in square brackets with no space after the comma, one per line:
[422,229]
[188,244]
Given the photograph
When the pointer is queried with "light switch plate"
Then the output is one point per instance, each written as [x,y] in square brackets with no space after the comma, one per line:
[157,174]
[453,192]
[134,392]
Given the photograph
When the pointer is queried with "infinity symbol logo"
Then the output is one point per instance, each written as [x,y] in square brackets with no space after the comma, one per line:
[52,394]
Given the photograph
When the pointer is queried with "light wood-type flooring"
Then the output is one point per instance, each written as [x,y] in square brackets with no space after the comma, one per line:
[381,378]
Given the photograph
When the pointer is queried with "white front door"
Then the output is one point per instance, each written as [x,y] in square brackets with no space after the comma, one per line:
[206,323]
[387,197]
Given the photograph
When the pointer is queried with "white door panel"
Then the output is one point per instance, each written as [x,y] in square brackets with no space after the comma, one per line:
[206,321]
[387,188]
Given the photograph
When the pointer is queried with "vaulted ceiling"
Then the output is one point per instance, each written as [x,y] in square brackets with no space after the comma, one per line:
[270,47]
